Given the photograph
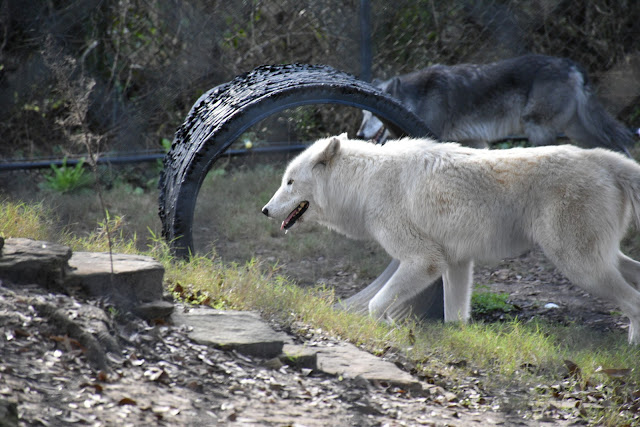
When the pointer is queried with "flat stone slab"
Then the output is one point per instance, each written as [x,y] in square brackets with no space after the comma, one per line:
[33,261]
[247,333]
[243,331]
[348,360]
[136,279]
[154,310]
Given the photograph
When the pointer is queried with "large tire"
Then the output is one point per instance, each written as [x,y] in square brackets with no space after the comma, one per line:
[222,114]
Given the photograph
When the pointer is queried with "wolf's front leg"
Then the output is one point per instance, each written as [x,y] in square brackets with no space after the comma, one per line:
[393,300]
[457,281]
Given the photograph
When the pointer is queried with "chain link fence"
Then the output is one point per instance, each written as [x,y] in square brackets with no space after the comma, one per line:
[146,61]
[600,35]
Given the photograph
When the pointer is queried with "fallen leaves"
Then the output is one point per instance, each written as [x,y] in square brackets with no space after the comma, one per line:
[192,296]
[615,373]
[578,396]
[69,343]
[127,401]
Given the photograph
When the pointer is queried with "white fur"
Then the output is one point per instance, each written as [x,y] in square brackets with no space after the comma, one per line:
[438,207]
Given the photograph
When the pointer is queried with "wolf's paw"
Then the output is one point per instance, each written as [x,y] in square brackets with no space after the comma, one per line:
[634,333]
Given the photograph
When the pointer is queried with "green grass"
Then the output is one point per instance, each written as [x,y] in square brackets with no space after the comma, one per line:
[485,302]
[510,355]
[501,347]
[32,221]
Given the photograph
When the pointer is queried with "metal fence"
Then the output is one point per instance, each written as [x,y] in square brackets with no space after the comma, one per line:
[148,60]
[409,34]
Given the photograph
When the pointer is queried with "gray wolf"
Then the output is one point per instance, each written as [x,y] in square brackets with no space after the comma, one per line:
[439,207]
[535,95]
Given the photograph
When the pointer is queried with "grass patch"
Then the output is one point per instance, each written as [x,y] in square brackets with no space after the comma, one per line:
[97,240]
[503,348]
[485,302]
[33,221]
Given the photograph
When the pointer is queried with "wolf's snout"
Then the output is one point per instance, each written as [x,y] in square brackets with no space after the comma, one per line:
[265,211]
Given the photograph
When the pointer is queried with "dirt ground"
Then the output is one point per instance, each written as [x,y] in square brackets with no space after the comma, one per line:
[538,289]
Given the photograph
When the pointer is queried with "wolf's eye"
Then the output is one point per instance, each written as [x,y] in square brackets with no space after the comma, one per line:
[290,182]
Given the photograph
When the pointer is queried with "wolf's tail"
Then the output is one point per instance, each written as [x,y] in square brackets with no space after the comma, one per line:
[598,127]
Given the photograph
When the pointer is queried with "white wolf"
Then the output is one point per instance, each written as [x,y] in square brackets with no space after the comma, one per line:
[475,104]
[438,207]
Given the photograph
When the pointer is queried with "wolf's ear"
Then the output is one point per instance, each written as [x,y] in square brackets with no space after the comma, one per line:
[343,136]
[395,87]
[329,152]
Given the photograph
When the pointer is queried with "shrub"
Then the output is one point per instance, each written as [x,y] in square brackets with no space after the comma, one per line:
[65,178]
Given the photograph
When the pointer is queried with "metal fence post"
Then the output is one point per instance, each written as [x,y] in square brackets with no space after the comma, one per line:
[365,40]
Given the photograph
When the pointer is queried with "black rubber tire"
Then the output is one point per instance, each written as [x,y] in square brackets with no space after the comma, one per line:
[222,114]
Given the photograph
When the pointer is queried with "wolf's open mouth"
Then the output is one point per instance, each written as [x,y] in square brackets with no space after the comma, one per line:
[377,138]
[294,215]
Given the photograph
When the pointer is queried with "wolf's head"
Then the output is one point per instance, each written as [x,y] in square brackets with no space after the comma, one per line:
[372,128]
[301,194]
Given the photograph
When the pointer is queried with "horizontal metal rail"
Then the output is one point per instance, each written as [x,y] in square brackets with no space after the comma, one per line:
[140,158]
[151,157]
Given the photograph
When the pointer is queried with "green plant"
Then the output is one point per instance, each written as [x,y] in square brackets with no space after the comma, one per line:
[65,178]
[113,312]
[166,144]
[485,302]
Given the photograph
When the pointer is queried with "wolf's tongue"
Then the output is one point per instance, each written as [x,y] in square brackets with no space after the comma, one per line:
[378,136]
[286,221]
[294,215]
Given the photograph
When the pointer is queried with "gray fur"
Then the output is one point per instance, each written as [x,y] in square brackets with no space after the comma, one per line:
[535,95]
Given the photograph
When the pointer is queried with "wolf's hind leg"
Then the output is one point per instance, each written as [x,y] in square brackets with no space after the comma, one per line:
[630,269]
[540,135]
[549,106]
[576,131]
[394,299]
[359,303]
[609,282]
[457,291]
[614,287]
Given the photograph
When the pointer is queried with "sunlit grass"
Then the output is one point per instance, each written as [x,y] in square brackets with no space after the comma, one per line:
[31,221]
[501,347]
